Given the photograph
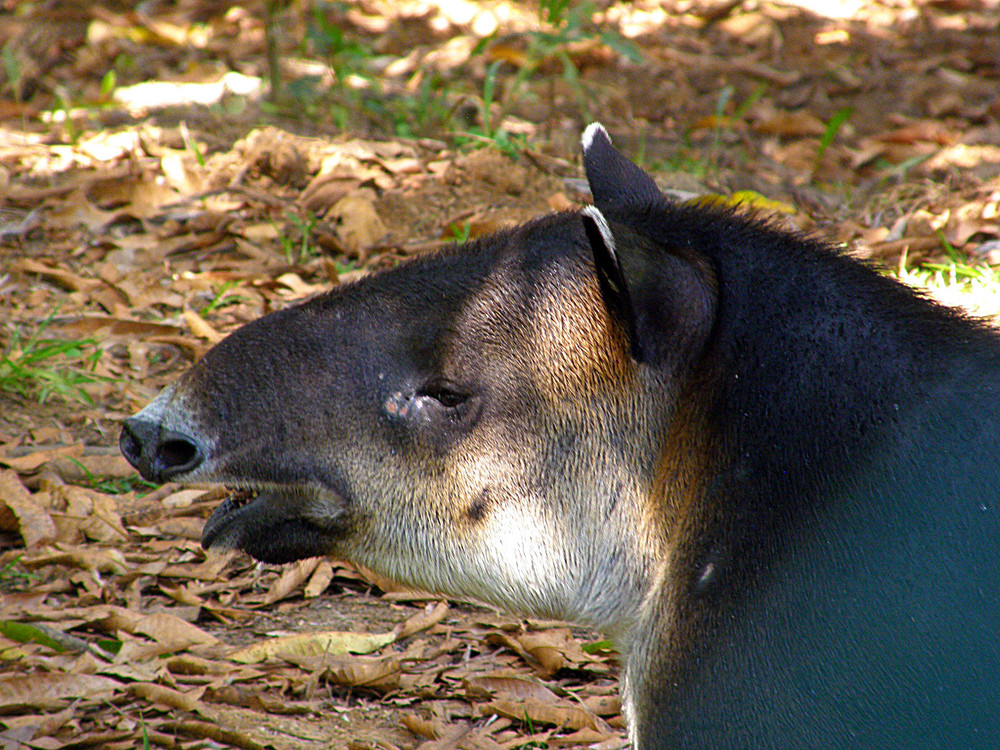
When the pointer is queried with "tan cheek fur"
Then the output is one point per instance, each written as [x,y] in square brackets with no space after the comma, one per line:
[536,549]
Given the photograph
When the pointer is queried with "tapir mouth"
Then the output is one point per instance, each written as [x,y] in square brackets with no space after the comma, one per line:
[276,524]
[226,514]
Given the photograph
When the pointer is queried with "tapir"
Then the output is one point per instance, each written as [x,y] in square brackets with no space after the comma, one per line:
[766,471]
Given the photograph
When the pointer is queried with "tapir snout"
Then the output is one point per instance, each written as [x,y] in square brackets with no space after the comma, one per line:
[157,453]
[768,472]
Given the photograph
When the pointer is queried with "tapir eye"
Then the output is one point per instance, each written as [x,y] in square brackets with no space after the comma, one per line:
[445,394]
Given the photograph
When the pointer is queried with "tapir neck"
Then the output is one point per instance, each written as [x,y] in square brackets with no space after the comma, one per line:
[821,388]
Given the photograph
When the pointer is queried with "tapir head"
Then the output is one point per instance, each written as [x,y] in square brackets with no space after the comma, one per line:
[488,421]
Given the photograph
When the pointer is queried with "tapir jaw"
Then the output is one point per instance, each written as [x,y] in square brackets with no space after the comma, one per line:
[278,524]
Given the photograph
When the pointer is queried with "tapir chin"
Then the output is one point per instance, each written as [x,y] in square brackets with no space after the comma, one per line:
[767,472]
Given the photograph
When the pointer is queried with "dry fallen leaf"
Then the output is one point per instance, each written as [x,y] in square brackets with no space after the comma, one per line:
[541,712]
[298,287]
[790,124]
[43,690]
[312,644]
[76,210]
[31,461]
[548,648]
[94,513]
[511,686]
[34,522]
[432,614]
[359,671]
[173,633]
[220,735]
[200,327]
[358,225]
[320,579]
[168,697]
[292,577]
[85,558]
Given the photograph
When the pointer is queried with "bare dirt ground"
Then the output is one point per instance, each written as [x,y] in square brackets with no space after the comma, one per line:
[169,171]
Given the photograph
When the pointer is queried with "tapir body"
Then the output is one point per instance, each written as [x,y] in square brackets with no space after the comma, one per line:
[768,472]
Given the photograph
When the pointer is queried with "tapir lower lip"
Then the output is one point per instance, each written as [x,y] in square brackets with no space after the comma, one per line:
[263,523]
[227,514]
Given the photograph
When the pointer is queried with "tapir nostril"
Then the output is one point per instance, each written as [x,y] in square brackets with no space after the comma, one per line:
[178,453]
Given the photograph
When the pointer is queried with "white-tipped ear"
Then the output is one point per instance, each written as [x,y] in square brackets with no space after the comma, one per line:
[588,135]
[619,187]
[601,223]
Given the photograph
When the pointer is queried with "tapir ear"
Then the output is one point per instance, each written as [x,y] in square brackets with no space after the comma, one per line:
[614,288]
[615,182]
[665,302]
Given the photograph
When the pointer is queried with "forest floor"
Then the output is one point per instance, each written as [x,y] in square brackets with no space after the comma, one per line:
[170,171]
